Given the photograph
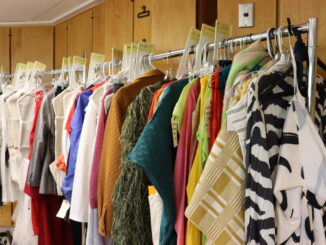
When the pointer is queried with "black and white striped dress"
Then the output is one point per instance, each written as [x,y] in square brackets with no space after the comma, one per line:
[268,100]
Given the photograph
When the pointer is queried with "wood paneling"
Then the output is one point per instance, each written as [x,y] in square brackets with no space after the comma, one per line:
[31,43]
[142,26]
[119,24]
[80,30]
[60,43]
[99,30]
[171,22]
[264,15]
[300,11]
[5,215]
[5,47]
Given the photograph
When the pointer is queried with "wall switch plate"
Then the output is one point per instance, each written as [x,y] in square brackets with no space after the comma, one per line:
[246,14]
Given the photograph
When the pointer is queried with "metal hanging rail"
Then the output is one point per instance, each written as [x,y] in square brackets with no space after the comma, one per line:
[310,28]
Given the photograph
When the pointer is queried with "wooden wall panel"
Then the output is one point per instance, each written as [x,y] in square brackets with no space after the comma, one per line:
[142,26]
[300,11]
[171,23]
[5,47]
[264,15]
[80,30]
[60,43]
[5,215]
[99,30]
[119,24]
[30,43]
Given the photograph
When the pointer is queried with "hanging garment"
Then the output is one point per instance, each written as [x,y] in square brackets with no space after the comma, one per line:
[93,236]
[183,164]
[111,154]
[33,192]
[156,210]
[9,187]
[218,200]
[51,230]
[245,60]
[268,100]
[131,218]
[80,193]
[300,180]
[193,235]
[320,107]
[155,154]
[216,106]
[59,108]
[39,174]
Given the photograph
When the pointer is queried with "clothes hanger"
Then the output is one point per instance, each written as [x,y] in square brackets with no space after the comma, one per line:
[269,43]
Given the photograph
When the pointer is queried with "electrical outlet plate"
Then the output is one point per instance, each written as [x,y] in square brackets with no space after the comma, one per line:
[246,14]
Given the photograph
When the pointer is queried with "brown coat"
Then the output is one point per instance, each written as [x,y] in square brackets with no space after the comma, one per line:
[111,151]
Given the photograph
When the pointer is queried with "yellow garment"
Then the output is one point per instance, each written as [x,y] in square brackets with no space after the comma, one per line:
[193,235]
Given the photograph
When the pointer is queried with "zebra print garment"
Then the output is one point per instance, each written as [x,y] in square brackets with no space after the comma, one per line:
[268,101]
[320,113]
[300,183]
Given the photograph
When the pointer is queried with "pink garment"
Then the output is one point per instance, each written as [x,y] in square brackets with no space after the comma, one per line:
[97,153]
[183,163]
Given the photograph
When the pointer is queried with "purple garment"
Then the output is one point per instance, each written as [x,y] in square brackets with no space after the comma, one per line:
[76,128]
[97,153]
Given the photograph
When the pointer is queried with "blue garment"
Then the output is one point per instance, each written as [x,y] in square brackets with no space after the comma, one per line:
[155,154]
[224,73]
[76,128]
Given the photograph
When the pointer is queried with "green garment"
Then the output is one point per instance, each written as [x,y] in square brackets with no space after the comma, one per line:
[178,110]
[155,154]
[202,133]
[245,61]
[131,219]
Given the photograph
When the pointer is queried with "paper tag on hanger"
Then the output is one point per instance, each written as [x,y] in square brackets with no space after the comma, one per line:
[174,126]
[65,63]
[20,70]
[126,56]
[78,64]
[117,56]
[38,67]
[63,209]
[142,50]
[132,59]
[222,31]
[3,70]
[206,37]
[95,65]
[193,39]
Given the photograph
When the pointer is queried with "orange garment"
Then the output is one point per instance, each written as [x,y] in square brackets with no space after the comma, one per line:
[156,98]
[111,149]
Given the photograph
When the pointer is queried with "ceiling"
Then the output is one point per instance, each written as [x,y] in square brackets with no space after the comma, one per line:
[29,12]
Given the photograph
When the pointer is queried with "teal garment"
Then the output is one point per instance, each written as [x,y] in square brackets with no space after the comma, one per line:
[224,73]
[155,154]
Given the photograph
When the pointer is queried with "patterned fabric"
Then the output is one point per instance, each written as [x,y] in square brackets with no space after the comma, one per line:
[216,207]
[300,187]
[268,100]
[320,113]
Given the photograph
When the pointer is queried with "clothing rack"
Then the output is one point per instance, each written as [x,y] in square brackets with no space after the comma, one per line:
[310,27]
